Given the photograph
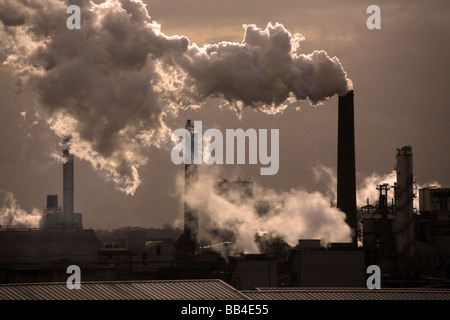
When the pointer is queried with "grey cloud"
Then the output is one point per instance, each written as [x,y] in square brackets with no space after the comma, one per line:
[111,83]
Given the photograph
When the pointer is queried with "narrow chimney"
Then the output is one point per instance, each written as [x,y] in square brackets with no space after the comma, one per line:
[404,196]
[67,177]
[190,175]
[346,182]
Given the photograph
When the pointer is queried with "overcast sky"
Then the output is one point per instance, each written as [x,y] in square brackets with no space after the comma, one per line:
[400,77]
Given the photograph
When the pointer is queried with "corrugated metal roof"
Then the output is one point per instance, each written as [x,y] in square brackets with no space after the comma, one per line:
[208,289]
[347,294]
[124,290]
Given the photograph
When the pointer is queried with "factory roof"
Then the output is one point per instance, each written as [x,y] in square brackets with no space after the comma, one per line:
[287,293]
[124,290]
[208,289]
[47,235]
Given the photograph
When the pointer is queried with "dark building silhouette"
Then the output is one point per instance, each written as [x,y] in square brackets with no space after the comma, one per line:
[410,248]
[379,232]
[346,185]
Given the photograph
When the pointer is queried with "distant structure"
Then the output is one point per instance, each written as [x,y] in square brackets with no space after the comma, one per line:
[388,231]
[60,238]
[53,217]
[407,245]
[378,232]
[432,245]
[188,241]
[346,185]
[339,265]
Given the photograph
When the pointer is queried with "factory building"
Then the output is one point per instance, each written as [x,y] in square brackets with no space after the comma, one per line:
[378,232]
[140,258]
[339,265]
[60,237]
[53,217]
[29,246]
[388,230]
[408,246]
[432,227]
[252,271]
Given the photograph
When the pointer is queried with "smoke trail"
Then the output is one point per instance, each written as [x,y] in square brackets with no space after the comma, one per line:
[12,215]
[367,187]
[232,214]
[112,84]
[267,211]
[264,68]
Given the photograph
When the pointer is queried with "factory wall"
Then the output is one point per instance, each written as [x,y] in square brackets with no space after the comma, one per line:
[43,245]
[249,274]
[327,268]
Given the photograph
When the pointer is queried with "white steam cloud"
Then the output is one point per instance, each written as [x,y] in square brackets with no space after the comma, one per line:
[112,83]
[292,215]
[12,215]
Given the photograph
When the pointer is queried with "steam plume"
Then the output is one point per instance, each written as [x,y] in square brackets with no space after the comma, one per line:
[11,214]
[309,214]
[112,83]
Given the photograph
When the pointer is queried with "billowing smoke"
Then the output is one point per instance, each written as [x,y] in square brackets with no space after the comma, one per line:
[230,212]
[112,84]
[290,215]
[264,70]
[12,215]
[367,187]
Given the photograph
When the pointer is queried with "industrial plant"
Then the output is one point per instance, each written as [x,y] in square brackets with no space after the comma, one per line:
[411,247]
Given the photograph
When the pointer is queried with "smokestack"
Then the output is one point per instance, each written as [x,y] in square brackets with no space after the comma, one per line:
[67,177]
[346,184]
[404,196]
[190,175]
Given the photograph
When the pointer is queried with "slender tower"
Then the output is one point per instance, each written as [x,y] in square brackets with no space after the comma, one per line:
[67,177]
[404,210]
[190,175]
[346,181]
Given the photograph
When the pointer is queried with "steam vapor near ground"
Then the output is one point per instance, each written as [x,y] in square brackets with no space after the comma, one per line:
[112,84]
[310,215]
[11,214]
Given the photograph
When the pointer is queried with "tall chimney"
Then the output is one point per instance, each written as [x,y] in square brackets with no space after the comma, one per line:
[346,184]
[67,177]
[190,175]
[404,197]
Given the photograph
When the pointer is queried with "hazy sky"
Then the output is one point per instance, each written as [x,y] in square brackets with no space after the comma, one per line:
[400,77]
